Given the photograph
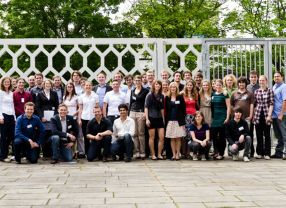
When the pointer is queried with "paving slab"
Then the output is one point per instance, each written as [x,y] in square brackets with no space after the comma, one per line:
[147,183]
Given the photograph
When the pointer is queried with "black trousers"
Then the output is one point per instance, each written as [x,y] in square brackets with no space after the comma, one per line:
[263,138]
[7,135]
[219,142]
[86,140]
[95,147]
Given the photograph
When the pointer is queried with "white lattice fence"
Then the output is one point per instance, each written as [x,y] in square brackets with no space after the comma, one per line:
[23,57]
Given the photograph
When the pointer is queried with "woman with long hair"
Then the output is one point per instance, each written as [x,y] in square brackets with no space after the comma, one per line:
[220,105]
[70,99]
[263,107]
[200,133]
[205,101]
[154,112]
[230,84]
[175,119]
[137,101]
[191,100]
[7,117]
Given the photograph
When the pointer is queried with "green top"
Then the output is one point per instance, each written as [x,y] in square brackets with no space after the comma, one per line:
[219,109]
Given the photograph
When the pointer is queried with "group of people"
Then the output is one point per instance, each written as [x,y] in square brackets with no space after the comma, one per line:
[142,118]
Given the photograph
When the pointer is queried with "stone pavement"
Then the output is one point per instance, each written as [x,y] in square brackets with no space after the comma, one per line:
[184,183]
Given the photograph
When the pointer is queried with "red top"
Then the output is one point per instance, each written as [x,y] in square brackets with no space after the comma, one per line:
[19,101]
[190,106]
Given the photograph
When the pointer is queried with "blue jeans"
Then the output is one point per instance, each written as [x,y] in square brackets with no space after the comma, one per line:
[60,150]
[121,145]
[246,145]
[95,148]
[23,148]
[279,128]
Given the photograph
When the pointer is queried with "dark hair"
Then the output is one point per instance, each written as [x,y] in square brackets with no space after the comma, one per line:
[20,78]
[39,75]
[187,72]
[238,110]
[73,93]
[279,72]
[202,115]
[177,72]
[75,72]
[123,106]
[242,79]
[2,83]
[199,74]
[128,76]
[153,86]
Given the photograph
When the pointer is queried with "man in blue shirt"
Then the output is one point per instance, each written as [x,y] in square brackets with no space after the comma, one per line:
[279,115]
[29,135]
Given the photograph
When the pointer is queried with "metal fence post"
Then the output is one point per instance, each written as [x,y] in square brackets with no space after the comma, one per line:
[268,61]
[205,60]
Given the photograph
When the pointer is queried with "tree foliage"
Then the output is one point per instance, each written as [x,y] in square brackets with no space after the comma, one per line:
[260,18]
[177,18]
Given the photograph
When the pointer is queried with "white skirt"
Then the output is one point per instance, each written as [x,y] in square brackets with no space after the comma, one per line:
[173,130]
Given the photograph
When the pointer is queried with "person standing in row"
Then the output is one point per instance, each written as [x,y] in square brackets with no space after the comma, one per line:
[7,117]
[220,105]
[137,101]
[278,115]
[102,88]
[175,119]
[154,112]
[205,101]
[263,102]
[87,101]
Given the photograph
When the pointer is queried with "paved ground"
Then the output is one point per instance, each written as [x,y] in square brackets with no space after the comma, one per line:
[147,183]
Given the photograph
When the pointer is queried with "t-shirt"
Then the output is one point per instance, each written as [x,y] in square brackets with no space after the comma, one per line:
[219,109]
[114,99]
[200,133]
[88,102]
[155,104]
[242,100]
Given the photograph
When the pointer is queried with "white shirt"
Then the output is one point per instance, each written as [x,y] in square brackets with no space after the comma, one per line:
[114,100]
[120,128]
[6,104]
[88,102]
[71,104]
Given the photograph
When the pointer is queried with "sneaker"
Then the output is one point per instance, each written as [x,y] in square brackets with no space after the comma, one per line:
[234,157]
[259,156]
[246,159]
[203,158]
[266,157]
[195,157]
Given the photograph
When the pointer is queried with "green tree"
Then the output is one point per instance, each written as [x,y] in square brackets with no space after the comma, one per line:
[178,18]
[260,18]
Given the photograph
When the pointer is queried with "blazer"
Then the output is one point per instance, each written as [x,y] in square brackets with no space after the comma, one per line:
[43,103]
[181,109]
[108,88]
[72,127]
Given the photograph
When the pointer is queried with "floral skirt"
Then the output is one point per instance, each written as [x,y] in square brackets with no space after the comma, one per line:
[173,130]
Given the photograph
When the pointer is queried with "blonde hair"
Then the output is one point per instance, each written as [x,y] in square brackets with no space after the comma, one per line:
[233,80]
[209,92]
[176,85]
[47,80]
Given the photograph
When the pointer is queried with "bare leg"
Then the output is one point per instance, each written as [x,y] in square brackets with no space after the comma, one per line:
[161,142]
[151,142]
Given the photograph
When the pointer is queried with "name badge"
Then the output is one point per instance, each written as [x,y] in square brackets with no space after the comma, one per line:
[241,128]
[70,126]
[177,102]
[22,100]
[29,126]
[133,97]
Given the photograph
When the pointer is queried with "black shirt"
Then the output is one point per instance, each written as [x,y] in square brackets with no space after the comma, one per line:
[93,127]
[234,130]
[137,101]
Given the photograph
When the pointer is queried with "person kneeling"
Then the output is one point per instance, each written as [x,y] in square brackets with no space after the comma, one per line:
[64,131]
[99,131]
[200,133]
[123,132]
[29,135]
[238,136]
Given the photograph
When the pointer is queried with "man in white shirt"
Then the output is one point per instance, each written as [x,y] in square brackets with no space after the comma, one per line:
[123,132]
[122,87]
[111,102]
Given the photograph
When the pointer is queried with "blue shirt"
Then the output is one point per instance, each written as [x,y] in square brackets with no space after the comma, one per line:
[29,128]
[101,93]
[279,96]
